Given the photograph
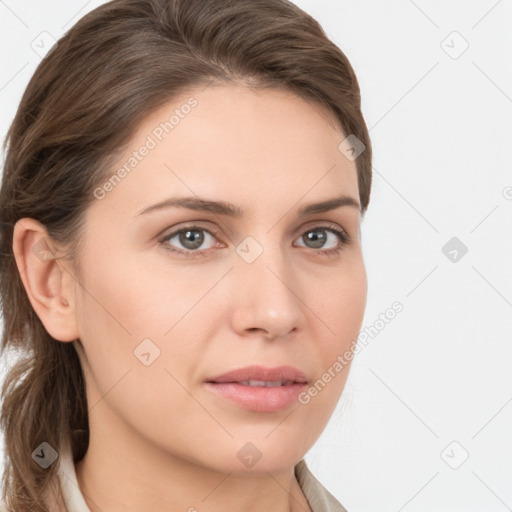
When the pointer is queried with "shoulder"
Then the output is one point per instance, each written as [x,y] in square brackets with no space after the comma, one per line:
[319,498]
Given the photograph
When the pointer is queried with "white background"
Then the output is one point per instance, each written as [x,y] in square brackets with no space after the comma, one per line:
[440,124]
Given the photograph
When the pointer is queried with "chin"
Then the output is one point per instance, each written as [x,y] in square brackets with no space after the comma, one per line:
[263,453]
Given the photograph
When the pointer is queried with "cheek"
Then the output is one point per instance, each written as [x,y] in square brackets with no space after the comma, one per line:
[130,309]
[139,298]
[340,308]
[130,365]
[340,304]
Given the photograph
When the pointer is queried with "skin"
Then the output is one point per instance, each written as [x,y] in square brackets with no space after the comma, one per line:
[157,436]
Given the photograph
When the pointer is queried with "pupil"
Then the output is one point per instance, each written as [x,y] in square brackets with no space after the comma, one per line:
[190,240]
[317,240]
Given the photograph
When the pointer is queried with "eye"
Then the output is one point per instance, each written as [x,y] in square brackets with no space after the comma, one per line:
[319,236]
[191,239]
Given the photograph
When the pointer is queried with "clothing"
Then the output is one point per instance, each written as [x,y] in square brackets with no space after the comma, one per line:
[319,498]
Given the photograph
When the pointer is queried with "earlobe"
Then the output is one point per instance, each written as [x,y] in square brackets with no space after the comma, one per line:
[47,282]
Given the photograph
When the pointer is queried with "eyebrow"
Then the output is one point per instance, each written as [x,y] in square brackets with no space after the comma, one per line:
[224,208]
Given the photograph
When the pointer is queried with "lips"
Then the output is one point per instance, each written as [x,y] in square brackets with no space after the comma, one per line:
[259,389]
[281,374]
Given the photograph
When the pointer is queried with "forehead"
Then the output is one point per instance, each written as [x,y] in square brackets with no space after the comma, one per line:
[233,141]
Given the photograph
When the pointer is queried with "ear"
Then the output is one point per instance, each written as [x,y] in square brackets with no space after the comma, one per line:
[50,284]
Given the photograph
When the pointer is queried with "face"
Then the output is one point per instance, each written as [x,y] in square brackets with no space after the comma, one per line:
[178,295]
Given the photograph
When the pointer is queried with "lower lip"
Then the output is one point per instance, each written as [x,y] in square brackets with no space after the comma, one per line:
[258,398]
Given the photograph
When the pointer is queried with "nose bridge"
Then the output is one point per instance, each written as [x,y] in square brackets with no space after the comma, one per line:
[265,295]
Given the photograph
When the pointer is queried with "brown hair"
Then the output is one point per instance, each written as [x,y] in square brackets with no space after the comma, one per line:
[114,67]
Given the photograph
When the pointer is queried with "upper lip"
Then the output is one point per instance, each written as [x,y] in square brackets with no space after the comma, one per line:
[262,373]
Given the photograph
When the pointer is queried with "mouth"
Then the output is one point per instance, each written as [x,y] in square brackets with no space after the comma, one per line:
[265,383]
[258,388]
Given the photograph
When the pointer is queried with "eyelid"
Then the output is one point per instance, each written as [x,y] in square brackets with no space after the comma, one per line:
[340,232]
[168,232]
[215,231]
[318,224]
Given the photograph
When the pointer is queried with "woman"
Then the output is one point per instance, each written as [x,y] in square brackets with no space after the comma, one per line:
[181,269]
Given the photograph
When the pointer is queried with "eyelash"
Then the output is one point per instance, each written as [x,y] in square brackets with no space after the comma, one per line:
[344,238]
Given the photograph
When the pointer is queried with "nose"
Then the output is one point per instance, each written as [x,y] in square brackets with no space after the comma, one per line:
[266,299]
